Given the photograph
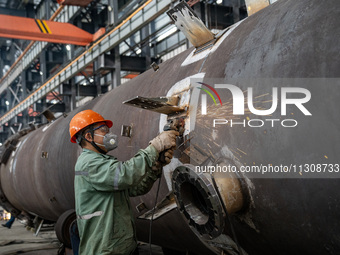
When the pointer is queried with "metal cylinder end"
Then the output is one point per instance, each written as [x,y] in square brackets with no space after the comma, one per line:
[198,201]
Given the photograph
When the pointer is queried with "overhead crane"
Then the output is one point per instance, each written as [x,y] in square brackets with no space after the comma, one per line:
[111,39]
[45,30]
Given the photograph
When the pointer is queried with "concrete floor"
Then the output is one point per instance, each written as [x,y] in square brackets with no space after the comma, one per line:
[18,240]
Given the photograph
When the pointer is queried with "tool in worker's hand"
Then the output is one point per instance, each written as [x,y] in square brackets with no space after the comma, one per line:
[165,105]
[172,124]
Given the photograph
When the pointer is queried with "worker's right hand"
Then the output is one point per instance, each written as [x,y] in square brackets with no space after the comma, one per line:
[162,161]
[165,140]
[168,154]
[156,166]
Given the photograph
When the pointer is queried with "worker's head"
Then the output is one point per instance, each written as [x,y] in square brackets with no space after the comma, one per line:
[90,130]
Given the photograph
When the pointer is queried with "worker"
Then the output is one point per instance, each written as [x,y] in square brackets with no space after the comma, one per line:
[10,222]
[103,184]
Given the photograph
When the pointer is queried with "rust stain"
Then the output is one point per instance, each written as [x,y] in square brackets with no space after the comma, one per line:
[242,151]
[212,155]
[236,152]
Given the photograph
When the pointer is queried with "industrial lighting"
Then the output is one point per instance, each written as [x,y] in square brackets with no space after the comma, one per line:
[138,51]
[219,1]
[41,73]
[91,80]
[7,103]
[166,34]
[68,47]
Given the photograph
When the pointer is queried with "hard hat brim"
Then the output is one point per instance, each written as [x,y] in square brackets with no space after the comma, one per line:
[108,123]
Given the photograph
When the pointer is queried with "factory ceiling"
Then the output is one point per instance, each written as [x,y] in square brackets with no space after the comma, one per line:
[17,4]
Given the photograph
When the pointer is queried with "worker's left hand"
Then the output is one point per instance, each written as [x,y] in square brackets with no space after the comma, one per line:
[165,140]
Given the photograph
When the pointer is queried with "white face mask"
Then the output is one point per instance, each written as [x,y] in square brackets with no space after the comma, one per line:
[109,141]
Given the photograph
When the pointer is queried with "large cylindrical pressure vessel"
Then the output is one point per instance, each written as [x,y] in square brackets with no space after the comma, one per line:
[283,59]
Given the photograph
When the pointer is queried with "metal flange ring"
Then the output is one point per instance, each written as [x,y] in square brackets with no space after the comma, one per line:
[198,201]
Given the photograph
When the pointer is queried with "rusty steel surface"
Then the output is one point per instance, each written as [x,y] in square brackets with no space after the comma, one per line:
[37,177]
[290,39]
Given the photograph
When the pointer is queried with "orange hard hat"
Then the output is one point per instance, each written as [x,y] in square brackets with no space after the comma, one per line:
[84,119]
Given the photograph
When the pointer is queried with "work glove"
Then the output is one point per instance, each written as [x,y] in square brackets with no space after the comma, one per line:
[163,160]
[157,166]
[168,154]
[165,140]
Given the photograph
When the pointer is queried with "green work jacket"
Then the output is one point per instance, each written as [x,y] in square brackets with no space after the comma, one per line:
[103,186]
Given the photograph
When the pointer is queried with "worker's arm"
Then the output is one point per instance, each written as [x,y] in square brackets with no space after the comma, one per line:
[160,143]
[145,185]
[108,174]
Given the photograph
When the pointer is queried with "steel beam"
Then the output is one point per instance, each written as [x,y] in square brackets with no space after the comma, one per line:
[143,15]
[145,45]
[14,94]
[43,30]
[115,74]
[33,50]
[82,3]
[73,94]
